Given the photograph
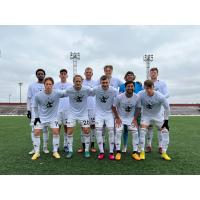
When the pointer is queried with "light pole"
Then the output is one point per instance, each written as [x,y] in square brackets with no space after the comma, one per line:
[74,57]
[20,91]
[9,97]
[148,59]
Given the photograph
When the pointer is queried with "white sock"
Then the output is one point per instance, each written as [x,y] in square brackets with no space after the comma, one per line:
[92,135]
[165,140]
[143,132]
[65,140]
[159,139]
[70,142]
[82,137]
[135,140]
[118,137]
[87,141]
[36,144]
[149,136]
[45,137]
[104,134]
[32,134]
[99,139]
[56,141]
[111,139]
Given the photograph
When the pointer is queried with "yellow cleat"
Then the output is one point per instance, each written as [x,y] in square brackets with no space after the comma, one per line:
[135,156]
[165,156]
[118,156]
[35,156]
[56,155]
[142,155]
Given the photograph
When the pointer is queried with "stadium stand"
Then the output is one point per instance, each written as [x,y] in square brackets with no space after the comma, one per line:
[12,109]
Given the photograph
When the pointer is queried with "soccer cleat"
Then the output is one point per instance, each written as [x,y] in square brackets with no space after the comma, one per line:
[124,149]
[45,150]
[81,150]
[86,154]
[111,156]
[118,156]
[142,155]
[165,156]
[56,155]
[31,152]
[160,150]
[135,156]
[101,156]
[93,150]
[69,154]
[35,156]
[148,149]
[65,149]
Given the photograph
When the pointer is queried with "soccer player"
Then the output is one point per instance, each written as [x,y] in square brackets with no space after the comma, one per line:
[129,76]
[161,87]
[78,112]
[63,104]
[91,109]
[33,89]
[126,111]
[45,107]
[105,96]
[151,103]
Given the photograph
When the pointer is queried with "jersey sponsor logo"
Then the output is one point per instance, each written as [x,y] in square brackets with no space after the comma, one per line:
[79,98]
[104,99]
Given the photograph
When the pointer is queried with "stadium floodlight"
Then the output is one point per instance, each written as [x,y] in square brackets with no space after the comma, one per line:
[74,57]
[9,98]
[20,91]
[148,58]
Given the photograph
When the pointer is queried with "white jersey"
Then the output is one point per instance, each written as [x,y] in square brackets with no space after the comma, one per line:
[64,102]
[161,87]
[126,107]
[90,99]
[152,105]
[104,100]
[78,101]
[114,82]
[47,104]
[33,89]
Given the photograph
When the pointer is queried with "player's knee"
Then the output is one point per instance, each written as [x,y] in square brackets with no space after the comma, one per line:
[69,131]
[86,130]
[37,132]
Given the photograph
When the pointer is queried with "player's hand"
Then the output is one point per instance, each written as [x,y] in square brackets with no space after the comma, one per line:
[165,125]
[118,122]
[37,120]
[28,114]
[135,122]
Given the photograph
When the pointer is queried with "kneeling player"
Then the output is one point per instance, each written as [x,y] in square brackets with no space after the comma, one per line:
[126,110]
[151,103]
[46,107]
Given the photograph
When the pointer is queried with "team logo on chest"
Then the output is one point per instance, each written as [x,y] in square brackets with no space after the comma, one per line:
[49,104]
[104,99]
[79,98]
[149,105]
[128,108]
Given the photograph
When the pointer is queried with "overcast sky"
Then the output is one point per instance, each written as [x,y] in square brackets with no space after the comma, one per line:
[176,51]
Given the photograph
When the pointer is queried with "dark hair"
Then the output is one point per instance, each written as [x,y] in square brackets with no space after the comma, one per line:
[103,78]
[63,70]
[48,79]
[148,83]
[154,69]
[77,75]
[129,72]
[40,70]
[129,82]
[108,66]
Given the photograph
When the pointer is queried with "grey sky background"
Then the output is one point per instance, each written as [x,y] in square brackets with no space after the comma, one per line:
[176,52]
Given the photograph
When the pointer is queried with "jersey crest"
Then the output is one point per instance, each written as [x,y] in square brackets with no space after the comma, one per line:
[79,98]
[104,99]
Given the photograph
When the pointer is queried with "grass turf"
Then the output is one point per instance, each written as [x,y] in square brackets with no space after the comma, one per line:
[15,143]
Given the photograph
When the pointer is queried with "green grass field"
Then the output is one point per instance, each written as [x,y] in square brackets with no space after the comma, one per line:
[15,144]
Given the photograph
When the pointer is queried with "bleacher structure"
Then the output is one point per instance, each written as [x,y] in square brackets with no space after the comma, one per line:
[176,109]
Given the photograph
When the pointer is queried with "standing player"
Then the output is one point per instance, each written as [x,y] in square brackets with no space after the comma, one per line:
[105,96]
[129,76]
[91,109]
[152,102]
[126,110]
[46,108]
[161,87]
[33,89]
[63,104]
[78,112]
